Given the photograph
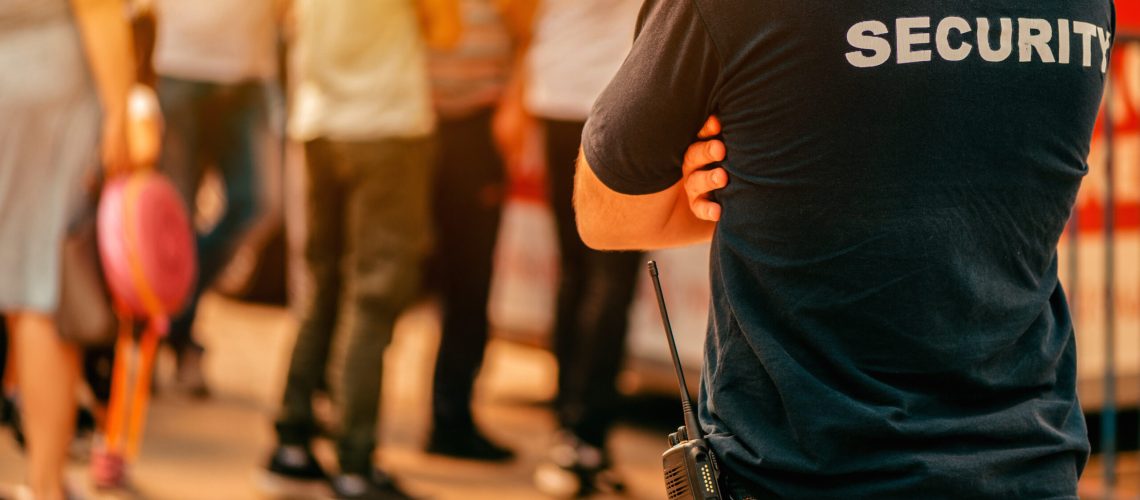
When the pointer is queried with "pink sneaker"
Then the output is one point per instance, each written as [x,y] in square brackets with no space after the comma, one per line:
[108,470]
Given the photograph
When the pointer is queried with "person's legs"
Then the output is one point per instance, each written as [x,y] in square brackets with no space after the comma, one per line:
[240,116]
[48,371]
[183,104]
[595,291]
[292,467]
[318,317]
[562,140]
[387,221]
[469,192]
[590,410]
[230,127]
[468,203]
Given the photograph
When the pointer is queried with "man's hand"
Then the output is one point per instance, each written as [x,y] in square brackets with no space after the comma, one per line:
[679,215]
[511,127]
[699,183]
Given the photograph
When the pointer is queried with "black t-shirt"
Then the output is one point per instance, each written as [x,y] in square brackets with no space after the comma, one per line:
[886,318]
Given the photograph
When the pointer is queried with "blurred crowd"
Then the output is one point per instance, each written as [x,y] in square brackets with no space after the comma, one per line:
[413,116]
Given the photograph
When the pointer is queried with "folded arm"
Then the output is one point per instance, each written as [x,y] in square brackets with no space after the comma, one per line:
[680,215]
[635,189]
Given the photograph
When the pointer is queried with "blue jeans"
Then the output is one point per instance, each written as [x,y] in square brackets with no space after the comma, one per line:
[219,125]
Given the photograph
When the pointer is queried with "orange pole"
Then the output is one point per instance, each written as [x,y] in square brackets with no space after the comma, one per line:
[120,385]
[141,400]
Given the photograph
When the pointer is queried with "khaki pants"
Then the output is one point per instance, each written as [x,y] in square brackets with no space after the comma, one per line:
[368,230]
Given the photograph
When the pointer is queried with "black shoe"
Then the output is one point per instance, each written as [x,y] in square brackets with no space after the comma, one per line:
[575,469]
[471,445]
[293,472]
[376,486]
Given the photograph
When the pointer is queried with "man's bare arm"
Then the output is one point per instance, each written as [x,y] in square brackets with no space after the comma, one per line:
[679,215]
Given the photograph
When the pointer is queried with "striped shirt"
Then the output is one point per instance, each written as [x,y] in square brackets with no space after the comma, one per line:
[471,76]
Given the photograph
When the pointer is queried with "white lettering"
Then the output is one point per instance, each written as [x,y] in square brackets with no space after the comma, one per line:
[907,39]
[1034,34]
[1005,43]
[859,38]
[942,39]
[1087,32]
[1105,42]
[917,39]
[1063,41]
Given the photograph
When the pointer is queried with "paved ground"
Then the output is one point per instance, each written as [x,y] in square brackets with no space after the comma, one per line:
[212,450]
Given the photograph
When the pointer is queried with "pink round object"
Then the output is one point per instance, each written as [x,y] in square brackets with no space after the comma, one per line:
[146,244]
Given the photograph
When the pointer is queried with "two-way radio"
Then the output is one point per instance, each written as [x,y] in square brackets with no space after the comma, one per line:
[691,472]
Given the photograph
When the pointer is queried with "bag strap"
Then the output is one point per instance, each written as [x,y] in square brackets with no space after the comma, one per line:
[150,300]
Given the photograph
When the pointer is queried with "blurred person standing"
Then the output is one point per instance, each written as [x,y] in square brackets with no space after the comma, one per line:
[578,46]
[214,59]
[363,110]
[469,82]
[63,95]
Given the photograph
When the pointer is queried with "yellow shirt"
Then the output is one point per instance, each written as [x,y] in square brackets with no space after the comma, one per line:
[361,71]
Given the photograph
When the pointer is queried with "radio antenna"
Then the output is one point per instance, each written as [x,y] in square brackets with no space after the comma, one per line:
[692,427]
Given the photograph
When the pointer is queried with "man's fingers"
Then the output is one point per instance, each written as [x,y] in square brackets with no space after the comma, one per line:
[702,182]
[700,154]
[711,128]
[699,183]
[705,210]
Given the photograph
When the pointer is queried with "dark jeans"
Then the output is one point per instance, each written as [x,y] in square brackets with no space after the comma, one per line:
[223,125]
[594,295]
[468,205]
[368,229]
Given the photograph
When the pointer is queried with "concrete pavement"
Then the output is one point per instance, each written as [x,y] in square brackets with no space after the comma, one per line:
[213,449]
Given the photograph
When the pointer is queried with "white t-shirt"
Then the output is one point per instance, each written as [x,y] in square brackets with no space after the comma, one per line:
[361,71]
[577,48]
[223,41]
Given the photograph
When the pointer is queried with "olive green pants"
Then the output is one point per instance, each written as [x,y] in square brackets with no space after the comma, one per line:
[369,225]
